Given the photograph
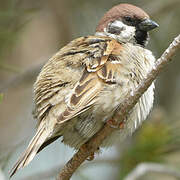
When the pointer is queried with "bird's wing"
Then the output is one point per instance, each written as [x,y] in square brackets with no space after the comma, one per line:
[97,72]
[93,54]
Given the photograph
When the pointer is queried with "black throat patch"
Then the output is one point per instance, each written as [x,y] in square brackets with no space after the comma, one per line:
[141,37]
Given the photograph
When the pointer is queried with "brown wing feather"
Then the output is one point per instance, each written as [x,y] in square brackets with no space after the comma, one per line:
[83,96]
[92,81]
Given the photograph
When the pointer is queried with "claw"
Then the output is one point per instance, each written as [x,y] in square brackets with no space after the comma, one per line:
[84,148]
[114,124]
[91,157]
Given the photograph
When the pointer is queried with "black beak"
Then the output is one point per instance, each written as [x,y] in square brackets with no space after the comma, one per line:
[147,25]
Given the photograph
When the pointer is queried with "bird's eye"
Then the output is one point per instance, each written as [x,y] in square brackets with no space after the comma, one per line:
[128,19]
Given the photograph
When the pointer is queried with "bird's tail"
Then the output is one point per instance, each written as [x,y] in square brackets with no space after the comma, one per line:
[31,150]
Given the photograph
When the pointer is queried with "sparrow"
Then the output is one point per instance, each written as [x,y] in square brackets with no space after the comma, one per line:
[80,87]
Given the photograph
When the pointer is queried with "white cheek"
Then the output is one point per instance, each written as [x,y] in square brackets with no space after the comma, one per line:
[128,32]
[126,35]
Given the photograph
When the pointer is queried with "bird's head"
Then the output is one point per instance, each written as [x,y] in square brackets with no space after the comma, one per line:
[126,23]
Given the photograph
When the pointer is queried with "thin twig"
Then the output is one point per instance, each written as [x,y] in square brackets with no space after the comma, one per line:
[145,168]
[93,144]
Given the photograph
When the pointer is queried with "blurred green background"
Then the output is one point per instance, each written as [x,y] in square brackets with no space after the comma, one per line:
[31,32]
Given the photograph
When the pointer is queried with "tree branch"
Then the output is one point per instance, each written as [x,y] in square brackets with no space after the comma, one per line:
[92,145]
[144,168]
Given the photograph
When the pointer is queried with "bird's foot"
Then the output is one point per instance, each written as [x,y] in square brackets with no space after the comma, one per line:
[91,157]
[84,147]
[114,124]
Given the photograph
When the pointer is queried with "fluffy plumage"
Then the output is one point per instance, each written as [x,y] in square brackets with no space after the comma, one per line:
[78,89]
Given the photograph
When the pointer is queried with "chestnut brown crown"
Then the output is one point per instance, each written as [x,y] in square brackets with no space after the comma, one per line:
[119,12]
[126,23]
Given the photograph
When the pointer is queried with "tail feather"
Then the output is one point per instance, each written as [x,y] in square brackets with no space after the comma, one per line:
[31,150]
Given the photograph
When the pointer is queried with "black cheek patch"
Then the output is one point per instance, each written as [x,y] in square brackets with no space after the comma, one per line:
[141,37]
